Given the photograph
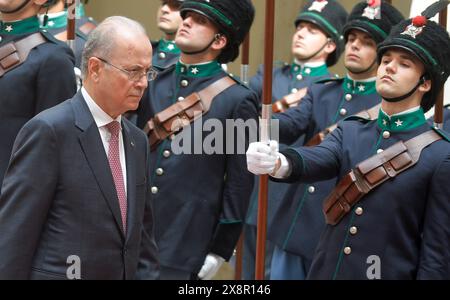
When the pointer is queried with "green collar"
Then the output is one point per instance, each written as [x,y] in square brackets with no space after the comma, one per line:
[202,70]
[57,21]
[401,122]
[25,26]
[168,46]
[359,88]
[297,69]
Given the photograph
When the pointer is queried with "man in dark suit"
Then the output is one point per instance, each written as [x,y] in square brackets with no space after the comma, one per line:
[75,200]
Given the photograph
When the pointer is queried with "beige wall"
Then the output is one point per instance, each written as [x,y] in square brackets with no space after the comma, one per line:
[285,12]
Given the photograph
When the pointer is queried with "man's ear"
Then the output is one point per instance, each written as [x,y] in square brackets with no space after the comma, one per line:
[425,86]
[220,42]
[330,47]
[94,69]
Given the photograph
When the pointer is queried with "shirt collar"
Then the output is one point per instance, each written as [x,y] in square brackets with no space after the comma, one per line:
[198,70]
[101,118]
[29,25]
[406,120]
[359,87]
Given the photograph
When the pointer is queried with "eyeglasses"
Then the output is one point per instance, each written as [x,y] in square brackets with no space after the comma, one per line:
[134,76]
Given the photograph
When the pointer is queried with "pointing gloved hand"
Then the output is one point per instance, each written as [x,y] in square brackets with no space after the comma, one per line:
[263,159]
[210,267]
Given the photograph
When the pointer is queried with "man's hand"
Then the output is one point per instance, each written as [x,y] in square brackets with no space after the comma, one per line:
[263,159]
[210,267]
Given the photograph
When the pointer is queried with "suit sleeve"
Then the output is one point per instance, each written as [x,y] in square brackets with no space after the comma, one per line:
[434,261]
[56,79]
[312,164]
[238,186]
[148,267]
[295,121]
[26,198]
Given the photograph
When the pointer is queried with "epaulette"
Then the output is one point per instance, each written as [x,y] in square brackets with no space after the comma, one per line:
[49,37]
[237,79]
[357,118]
[441,132]
[330,80]
[81,35]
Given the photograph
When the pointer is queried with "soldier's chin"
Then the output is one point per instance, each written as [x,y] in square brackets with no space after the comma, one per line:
[354,68]
[300,54]
[387,93]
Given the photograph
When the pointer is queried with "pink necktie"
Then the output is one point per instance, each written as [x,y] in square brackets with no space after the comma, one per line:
[116,169]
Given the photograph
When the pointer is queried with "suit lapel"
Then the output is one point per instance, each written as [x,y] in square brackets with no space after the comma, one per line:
[130,157]
[94,152]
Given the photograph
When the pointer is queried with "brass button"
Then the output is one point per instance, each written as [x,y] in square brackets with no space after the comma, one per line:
[184,83]
[347,250]
[386,135]
[359,211]
[293,91]
[343,112]
[162,55]
[348,97]
[353,230]
[311,190]
[180,98]
[380,151]
[166,154]
[299,77]
[1,38]
[308,71]
[159,171]
[154,190]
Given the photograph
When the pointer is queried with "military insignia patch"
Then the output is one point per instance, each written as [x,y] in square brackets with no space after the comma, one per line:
[373,10]
[318,5]
[416,28]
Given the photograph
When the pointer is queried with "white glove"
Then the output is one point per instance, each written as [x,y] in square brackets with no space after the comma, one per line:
[210,267]
[262,158]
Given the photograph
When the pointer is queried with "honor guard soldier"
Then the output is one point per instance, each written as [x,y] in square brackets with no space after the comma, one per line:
[298,219]
[388,216]
[316,45]
[36,71]
[200,200]
[165,52]
[56,24]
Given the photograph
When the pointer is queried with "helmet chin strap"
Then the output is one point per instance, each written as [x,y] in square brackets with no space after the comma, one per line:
[19,8]
[318,51]
[216,37]
[366,70]
[401,98]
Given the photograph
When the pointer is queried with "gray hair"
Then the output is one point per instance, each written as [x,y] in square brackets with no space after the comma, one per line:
[102,40]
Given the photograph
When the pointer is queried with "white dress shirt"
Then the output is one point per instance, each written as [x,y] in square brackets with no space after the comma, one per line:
[102,119]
